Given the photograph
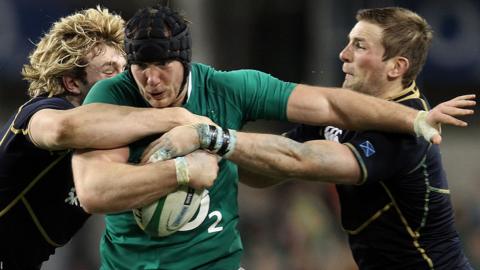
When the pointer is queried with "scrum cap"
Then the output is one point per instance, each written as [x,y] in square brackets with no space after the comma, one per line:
[158,35]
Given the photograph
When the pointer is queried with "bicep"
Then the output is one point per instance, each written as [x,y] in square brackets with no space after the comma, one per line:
[44,128]
[309,105]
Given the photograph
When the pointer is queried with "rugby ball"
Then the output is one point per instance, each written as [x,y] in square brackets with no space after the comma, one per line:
[171,212]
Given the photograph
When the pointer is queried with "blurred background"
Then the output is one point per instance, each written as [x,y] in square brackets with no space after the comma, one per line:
[291,226]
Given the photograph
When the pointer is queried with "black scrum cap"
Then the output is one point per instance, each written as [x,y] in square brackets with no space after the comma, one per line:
[158,35]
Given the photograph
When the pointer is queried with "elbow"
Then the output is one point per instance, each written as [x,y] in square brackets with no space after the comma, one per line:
[89,200]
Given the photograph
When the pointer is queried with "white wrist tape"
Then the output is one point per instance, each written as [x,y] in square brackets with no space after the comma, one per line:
[181,168]
[423,128]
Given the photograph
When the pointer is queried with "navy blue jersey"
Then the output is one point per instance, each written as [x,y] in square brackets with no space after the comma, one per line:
[38,206]
[400,216]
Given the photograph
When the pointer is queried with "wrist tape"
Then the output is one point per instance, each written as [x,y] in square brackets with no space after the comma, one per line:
[422,127]
[217,140]
[181,168]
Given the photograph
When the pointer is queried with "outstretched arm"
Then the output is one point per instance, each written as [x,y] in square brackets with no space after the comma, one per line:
[278,156]
[282,158]
[350,110]
[103,126]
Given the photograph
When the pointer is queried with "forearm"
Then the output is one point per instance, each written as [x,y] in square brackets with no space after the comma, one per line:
[347,109]
[105,126]
[105,187]
[283,158]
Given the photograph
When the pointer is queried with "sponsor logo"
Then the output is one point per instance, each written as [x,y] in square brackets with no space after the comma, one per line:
[332,133]
[72,198]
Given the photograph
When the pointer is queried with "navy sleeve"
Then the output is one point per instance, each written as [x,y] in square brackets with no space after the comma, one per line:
[37,104]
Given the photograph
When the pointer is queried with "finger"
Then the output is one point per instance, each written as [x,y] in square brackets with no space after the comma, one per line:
[436,139]
[450,120]
[459,103]
[455,111]
[470,96]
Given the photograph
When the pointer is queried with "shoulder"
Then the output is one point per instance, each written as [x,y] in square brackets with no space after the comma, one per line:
[113,90]
[39,103]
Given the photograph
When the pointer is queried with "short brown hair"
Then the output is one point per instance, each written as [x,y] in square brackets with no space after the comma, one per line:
[405,34]
[62,50]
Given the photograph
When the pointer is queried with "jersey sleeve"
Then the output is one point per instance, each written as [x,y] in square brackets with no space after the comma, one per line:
[260,95]
[37,104]
[383,156]
[118,90]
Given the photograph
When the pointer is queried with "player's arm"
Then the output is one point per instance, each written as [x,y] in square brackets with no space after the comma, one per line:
[106,183]
[350,110]
[278,157]
[103,126]
[281,158]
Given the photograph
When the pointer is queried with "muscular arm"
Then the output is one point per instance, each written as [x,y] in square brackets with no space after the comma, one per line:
[350,110]
[282,158]
[105,183]
[102,126]
[278,157]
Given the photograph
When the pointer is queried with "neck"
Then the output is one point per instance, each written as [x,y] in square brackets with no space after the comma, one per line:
[182,94]
[390,90]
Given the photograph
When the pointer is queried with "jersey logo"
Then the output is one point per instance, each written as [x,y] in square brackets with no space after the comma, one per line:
[367,148]
[332,133]
[72,198]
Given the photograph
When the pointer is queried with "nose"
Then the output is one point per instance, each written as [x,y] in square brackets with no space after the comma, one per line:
[152,75]
[345,55]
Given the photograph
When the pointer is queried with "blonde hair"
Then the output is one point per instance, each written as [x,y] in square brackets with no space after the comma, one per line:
[63,49]
[405,34]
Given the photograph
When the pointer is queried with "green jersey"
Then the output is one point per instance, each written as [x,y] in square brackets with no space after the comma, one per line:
[211,239]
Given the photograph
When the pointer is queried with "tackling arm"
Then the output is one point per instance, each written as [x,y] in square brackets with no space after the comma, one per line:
[103,126]
[272,155]
[350,110]
[284,158]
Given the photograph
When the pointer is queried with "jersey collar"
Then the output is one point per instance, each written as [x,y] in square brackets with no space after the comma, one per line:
[410,92]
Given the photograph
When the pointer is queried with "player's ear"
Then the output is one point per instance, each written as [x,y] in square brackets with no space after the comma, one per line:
[399,66]
[71,84]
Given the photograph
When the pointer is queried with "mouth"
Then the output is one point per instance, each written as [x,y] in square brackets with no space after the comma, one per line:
[347,73]
[159,95]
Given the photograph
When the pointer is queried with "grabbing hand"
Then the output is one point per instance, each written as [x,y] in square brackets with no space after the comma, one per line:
[202,169]
[179,141]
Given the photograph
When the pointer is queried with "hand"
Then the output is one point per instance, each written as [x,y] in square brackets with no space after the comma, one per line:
[202,169]
[179,141]
[446,113]
[188,118]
